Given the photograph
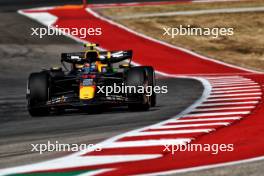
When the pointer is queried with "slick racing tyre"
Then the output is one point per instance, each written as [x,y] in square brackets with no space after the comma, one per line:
[38,93]
[152,82]
[138,77]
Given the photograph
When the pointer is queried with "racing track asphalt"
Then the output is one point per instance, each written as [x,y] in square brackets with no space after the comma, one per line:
[21,54]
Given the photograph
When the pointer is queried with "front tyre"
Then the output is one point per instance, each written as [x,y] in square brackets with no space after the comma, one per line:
[38,94]
[137,76]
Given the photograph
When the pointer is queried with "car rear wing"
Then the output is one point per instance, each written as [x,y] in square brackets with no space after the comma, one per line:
[103,56]
[115,56]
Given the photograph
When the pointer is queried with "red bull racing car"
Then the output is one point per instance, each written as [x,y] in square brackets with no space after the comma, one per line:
[94,78]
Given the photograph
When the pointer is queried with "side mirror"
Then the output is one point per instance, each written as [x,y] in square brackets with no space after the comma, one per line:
[55,68]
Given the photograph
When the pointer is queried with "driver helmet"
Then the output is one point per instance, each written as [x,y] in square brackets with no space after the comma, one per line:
[86,67]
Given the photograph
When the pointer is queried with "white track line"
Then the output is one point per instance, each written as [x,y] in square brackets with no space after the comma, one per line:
[146,143]
[233,91]
[96,172]
[229,80]
[225,108]
[241,86]
[208,119]
[170,132]
[194,12]
[230,99]
[223,77]
[233,85]
[191,125]
[231,95]
[217,114]
[228,103]
[234,88]
[44,18]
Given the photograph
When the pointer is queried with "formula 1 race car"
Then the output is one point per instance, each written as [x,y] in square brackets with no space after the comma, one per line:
[90,82]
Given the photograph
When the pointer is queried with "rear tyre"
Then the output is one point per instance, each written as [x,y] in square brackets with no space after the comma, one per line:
[38,93]
[152,82]
[137,76]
